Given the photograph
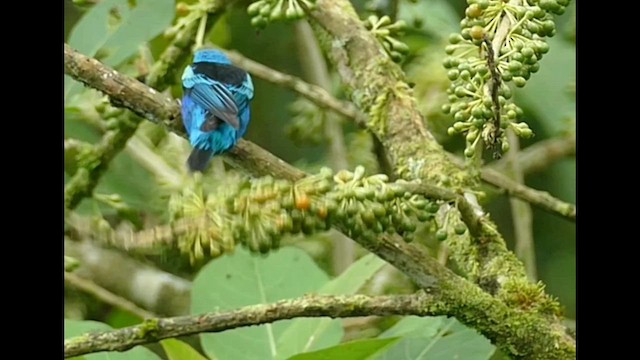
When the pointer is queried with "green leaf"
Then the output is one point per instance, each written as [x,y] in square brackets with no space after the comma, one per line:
[435,338]
[547,93]
[304,335]
[179,350]
[438,17]
[74,328]
[355,350]
[115,29]
[244,279]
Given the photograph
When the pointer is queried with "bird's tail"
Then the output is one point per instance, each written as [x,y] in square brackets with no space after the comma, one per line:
[199,159]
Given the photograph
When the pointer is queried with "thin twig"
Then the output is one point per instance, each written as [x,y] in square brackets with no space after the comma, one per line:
[314,93]
[540,155]
[106,296]
[540,199]
[521,214]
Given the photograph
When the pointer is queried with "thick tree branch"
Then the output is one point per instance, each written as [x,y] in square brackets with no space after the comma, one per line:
[534,334]
[378,88]
[153,330]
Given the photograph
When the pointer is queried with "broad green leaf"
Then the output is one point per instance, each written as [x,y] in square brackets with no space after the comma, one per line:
[179,350]
[415,326]
[304,335]
[244,279]
[115,29]
[435,338]
[547,93]
[355,350]
[74,328]
[438,17]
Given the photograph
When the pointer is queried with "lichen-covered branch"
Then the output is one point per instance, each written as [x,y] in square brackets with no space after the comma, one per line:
[315,69]
[533,334]
[377,87]
[153,330]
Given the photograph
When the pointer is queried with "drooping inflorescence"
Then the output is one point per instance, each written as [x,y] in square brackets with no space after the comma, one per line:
[501,43]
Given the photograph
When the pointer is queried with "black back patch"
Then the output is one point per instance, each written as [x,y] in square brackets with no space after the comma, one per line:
[224,73]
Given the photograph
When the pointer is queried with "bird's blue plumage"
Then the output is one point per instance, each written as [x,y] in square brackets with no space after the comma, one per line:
[215,105]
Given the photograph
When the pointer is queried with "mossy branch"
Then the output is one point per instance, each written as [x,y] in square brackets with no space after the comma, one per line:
[377,87]
[153,330]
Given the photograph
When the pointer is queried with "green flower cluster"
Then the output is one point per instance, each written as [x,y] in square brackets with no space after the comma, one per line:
[501,42]
[384,30]
[265,11]
[257,213]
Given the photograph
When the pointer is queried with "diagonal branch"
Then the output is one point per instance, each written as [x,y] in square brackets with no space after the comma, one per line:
[106,296]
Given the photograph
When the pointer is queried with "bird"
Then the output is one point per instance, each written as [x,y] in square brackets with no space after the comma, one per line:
[215,106]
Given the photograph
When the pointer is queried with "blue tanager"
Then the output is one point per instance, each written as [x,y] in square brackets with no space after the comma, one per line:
[215,106]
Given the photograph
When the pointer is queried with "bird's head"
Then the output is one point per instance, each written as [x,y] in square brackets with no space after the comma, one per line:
[211,56]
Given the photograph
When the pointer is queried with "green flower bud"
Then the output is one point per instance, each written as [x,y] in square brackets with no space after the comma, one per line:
[473,11]
[519,81]
[469,152]
[455,38]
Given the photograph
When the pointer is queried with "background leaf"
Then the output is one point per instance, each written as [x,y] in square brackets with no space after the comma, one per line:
[435,338]
[244,279]
[354,350]
[547,94]
[179,350]
[304,335]
[76,328]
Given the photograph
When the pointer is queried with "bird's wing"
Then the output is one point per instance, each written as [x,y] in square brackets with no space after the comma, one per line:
[217,99]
